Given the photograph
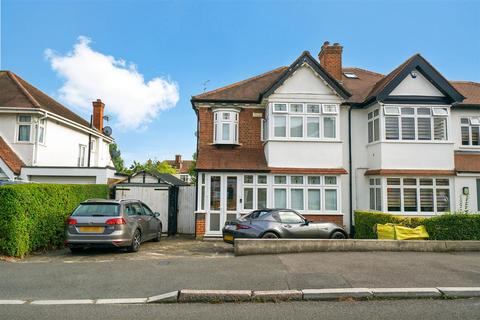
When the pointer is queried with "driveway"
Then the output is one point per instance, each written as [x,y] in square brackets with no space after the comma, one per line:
[167,248]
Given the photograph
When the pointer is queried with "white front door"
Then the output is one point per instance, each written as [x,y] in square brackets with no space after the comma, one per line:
[222,201]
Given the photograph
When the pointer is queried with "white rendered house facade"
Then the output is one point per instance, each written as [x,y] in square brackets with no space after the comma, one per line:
[44,142]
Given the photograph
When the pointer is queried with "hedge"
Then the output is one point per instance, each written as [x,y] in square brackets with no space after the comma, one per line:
[448,226]
[32,216]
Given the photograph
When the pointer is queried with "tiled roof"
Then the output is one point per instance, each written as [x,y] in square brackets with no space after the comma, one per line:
[470,90]
[467,162]
[185,165]
[367,85]
[246,90]
[11,159]
[18,93]
[231,159]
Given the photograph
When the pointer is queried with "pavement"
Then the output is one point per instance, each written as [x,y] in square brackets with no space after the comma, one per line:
[179,263]
[346,310]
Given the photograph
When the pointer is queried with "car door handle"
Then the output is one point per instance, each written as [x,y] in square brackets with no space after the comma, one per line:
[287,226]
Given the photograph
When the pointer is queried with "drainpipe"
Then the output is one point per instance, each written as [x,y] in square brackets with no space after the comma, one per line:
[350,177]
[90,141]
[35,145]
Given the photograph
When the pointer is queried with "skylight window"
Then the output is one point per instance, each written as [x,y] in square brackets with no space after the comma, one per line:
[350,75]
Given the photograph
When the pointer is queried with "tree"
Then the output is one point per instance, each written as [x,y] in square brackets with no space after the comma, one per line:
[152,166]
[116,156]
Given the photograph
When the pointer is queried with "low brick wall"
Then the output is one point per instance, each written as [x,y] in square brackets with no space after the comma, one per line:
[199,225]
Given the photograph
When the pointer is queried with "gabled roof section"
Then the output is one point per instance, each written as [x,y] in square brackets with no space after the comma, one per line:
[18,93]
[385,86]
[248,90]
[11,159]
[307,58]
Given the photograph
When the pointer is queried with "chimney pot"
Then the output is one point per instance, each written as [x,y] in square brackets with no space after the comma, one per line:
[330,57]
[178,160]
[98,110]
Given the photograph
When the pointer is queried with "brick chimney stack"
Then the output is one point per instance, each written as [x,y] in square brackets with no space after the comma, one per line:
[330,57]
[98,109]
[178,161]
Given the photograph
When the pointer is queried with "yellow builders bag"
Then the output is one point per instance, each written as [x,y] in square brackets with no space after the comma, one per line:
[404,233]
[391,231]
[385,231]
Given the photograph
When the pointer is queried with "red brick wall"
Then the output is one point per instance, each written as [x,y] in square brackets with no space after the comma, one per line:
[248,132]
[199,225]
[330,58]
[338,219]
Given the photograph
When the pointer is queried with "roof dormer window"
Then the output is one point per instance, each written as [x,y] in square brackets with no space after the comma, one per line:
[225,129]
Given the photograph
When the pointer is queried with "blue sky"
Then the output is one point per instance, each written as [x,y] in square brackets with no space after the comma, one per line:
[185,43]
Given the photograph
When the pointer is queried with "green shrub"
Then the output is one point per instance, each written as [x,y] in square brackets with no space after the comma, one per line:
[455,226]
[32,215]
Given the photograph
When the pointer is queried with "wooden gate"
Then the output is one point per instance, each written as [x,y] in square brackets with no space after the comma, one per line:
[186,209]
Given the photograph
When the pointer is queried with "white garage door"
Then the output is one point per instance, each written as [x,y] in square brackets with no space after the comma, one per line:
[154,197]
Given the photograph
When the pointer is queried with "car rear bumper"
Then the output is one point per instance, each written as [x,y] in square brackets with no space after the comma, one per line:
[229,235]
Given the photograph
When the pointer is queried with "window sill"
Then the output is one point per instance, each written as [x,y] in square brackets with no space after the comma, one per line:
[226,144]
[470,147]
[303,140]
[409,142]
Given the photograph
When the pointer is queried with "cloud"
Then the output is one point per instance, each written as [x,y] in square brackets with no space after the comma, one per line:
[128,98]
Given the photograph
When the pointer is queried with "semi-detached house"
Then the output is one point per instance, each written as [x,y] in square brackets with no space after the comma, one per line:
[326,140]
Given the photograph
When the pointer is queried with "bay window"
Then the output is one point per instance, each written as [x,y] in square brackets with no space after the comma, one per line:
[225,130]
[306,193]
[310,121]
[419,123]
[417,195]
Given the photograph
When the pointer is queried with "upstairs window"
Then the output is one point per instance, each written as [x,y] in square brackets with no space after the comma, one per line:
[415,124]
[41,131]
[308,121]
[373,126]
[24,128]
[470,131]
[225,129]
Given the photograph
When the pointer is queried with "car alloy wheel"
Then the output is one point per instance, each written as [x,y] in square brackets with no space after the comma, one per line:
[137,238]
[270,235]
[338,235]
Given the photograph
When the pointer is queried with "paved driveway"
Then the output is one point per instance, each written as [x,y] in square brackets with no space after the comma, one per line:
[167,248]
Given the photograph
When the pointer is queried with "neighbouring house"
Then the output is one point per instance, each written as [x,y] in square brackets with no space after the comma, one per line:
[164,193]
[326,140]
[43,141]
[182,167]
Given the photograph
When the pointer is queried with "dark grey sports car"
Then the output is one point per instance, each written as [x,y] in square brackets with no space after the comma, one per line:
[279,223]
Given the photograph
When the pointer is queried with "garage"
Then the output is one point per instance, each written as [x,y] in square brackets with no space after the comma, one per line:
[165,194]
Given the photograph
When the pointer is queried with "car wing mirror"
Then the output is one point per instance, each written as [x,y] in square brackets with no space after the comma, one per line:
[156,214]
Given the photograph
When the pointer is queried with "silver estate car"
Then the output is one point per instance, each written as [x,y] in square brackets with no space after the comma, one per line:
[111,223]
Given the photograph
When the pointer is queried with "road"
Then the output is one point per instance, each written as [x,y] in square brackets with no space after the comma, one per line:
[170,266]
[372,310]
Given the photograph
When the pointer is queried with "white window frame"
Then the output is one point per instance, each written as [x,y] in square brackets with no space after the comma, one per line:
[24,123]
[434,187]
[324,111]
[82,155]
[373,119]
[389,111]
[469,126]
[219,122]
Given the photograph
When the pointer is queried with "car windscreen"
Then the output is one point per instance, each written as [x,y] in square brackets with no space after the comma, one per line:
[97,210]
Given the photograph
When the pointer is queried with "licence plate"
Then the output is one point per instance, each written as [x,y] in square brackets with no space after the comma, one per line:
[228,237]
[91,229]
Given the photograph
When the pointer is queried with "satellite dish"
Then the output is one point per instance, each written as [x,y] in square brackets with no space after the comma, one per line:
[107,131]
